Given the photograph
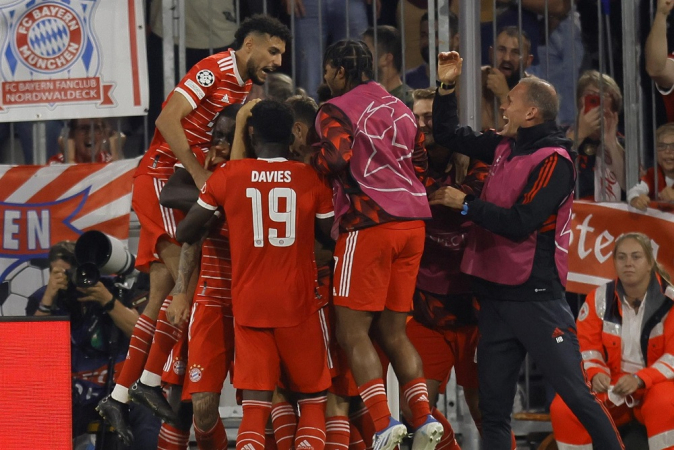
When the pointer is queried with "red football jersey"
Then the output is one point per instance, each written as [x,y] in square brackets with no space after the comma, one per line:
[215,275]
[211,85]
[271,206]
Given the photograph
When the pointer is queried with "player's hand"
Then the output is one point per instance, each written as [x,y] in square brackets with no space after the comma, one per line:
[300,11]
[179,310]
[96,293]
[626,385]
[665,6]
[588,123]
[601,382]
[640,202]
[496,82]
[245,112]
[448,196]
[667,194]
[449,67]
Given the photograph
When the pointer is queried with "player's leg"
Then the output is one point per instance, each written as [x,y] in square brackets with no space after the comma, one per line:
[114,408]
[337,427]
[258,368]
[147,391]
[407,243]
[284,419]
[307,375]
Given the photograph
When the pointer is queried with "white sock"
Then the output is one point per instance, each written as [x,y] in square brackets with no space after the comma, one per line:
[150,379]
[120,393]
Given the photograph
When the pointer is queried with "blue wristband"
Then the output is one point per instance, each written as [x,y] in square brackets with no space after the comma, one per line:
[464,210]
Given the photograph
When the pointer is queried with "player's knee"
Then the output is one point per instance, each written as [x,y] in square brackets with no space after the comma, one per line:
[349,336]
[205,410]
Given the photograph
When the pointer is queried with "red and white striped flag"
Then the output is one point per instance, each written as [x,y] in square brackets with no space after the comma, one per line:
[42,205]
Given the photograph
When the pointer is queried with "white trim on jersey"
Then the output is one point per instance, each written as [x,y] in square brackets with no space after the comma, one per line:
[205,205]
[187,96]
[166,213]
[326,215]
[236,70]
[347,264]
[326,336]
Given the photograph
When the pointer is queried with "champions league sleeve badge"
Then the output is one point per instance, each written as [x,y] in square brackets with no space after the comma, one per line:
[205,78]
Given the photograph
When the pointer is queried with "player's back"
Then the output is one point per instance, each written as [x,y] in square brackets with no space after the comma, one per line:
[271,207]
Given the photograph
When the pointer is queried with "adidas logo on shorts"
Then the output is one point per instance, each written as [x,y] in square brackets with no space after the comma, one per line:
[305,445]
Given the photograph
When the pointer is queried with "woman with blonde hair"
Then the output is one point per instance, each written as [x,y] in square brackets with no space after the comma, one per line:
[626,336]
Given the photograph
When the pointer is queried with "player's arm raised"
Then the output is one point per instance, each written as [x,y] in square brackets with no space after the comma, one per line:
[169,125]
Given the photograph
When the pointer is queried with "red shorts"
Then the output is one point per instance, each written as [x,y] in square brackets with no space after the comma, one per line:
[211,342]
[442,350]
[174,369]
[300,351]
[156,221]
[376,267]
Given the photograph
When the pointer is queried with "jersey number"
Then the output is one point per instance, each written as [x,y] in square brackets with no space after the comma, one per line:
[286,217]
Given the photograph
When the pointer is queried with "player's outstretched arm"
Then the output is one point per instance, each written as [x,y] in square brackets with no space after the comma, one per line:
[179,192]
[169,125]
[191,227]
[179,309]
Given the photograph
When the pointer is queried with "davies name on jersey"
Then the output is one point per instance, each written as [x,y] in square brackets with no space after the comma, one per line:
[270,176]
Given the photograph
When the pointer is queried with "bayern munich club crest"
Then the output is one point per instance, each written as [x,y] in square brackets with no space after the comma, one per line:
[49,37]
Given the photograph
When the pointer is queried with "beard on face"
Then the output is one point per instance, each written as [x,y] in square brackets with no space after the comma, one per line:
[513,79]
[251,70]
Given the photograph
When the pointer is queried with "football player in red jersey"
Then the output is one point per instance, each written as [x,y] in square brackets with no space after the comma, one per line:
[272,206]
[183,127]
[211,336]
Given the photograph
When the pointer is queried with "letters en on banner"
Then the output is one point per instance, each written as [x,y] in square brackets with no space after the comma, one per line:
[594,229]
[43,205]
[72,59]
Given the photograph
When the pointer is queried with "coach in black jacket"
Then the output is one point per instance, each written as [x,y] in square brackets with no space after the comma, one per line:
[518,252]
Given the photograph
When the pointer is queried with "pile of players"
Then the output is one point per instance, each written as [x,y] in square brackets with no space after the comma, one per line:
[255,242]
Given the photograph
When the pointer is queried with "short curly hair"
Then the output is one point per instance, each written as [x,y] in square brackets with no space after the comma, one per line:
[261,24]
[272,122]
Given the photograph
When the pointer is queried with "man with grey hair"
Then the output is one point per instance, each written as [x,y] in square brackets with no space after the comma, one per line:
[517,252]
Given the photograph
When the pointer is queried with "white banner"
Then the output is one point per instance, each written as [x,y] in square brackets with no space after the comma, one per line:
[71,59]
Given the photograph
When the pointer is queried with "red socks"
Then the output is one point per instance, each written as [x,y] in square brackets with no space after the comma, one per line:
[213,439]
[251,431]
[356,441]
[448,441]
[172,438]
[284,421]
[338,432]
[373,394]
[362,421]
[138,349]
[165,337]
[416,395]
[311,426]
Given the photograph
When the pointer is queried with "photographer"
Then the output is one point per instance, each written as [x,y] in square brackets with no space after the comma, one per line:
[101,324]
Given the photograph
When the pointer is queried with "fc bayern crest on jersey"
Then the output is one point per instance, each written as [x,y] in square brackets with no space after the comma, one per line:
[205,78]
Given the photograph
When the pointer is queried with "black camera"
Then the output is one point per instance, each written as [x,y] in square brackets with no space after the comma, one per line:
[84,275]
[99,254]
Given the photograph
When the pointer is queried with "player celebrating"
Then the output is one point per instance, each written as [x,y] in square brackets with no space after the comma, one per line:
[371,148]
[183,127]
[271,205]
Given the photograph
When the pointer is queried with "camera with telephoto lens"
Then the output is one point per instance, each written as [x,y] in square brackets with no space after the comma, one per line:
[99,254]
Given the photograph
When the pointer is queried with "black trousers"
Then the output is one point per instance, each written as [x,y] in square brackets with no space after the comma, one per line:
[546,330]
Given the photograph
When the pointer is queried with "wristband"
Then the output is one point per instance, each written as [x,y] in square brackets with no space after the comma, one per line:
[640,382]
[44,308]
[442,85]
[466,199]
[110,305]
